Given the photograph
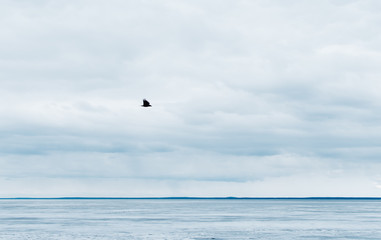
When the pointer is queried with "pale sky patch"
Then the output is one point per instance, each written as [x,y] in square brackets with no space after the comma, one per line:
[250,98]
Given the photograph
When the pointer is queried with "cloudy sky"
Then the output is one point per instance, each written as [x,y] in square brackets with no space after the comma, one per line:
[255,98]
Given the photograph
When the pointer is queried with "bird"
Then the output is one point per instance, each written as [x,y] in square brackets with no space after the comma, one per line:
[146,103]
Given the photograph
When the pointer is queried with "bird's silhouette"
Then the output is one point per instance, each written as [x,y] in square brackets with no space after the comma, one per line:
[146,103]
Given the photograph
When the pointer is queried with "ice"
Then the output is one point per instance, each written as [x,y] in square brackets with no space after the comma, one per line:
[196,219]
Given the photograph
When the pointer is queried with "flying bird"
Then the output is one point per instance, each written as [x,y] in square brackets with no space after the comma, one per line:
[146,103]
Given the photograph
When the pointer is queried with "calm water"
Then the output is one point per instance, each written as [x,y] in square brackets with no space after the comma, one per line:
[190,219]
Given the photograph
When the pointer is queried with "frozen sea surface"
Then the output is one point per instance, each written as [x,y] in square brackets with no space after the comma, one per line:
[198,219]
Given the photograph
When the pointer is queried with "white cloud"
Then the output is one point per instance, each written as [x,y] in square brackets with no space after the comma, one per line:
[241,91]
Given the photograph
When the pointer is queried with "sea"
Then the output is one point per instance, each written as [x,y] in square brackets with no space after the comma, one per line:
[198,219]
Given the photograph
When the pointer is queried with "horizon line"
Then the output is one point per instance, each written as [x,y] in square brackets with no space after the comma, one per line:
[190,198]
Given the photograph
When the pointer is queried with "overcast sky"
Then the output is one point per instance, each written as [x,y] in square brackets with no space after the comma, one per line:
[255,98]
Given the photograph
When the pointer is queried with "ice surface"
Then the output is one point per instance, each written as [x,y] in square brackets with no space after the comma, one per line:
[189,219]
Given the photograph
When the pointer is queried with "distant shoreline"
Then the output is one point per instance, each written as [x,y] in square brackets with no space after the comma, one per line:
[192,198]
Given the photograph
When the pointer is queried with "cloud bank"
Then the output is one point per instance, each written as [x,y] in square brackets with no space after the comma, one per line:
[250,98]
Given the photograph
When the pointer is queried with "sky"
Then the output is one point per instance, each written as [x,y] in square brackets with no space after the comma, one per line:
[251,98]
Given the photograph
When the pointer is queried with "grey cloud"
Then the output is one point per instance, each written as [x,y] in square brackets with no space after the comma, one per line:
[236,89]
